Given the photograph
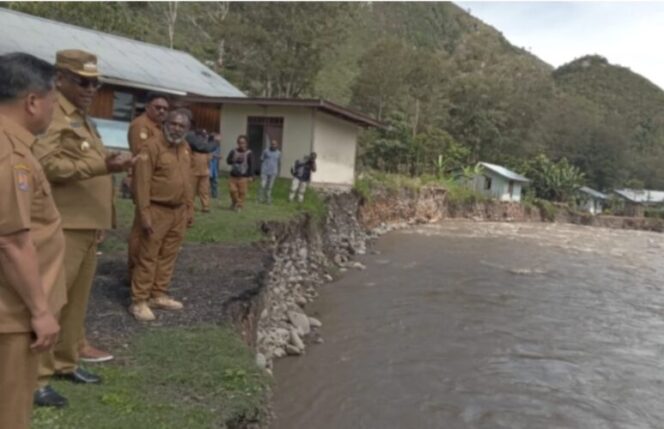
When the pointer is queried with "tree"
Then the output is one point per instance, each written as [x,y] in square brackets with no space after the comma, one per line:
[276,49]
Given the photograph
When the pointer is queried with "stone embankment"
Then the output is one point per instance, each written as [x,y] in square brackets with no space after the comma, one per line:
[307,253]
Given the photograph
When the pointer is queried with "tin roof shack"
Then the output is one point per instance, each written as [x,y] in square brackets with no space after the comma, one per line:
[498,182]
[590,200]
[301,126]
[130,69]
[635,202]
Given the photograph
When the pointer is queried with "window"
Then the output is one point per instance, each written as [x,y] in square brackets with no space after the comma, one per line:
[511,188]
[487,182]
[123,106]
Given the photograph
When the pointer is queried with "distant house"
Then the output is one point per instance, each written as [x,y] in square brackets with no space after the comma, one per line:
[591,200]
[301,126]
[636,201]
[130,69]
[498,182]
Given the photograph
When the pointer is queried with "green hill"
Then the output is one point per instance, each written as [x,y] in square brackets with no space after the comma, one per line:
[444,80]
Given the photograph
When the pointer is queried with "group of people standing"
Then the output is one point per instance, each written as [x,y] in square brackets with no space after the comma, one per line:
[58,194]
[56,176]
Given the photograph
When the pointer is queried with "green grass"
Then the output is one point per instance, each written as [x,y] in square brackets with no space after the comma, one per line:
[168,378]
[222,225]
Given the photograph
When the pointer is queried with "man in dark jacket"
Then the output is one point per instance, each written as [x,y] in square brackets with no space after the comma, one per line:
[242,168]
[301,172]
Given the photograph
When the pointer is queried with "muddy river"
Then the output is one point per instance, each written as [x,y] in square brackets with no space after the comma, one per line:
[487,325]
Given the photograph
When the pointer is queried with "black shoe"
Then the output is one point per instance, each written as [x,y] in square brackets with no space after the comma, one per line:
[47,397]
[80,376]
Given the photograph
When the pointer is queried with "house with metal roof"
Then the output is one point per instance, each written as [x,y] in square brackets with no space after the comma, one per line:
[130,69]
[591,200]
[635,201]
[498,182]
[300,126]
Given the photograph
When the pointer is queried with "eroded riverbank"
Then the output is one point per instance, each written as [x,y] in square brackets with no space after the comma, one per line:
[487,325]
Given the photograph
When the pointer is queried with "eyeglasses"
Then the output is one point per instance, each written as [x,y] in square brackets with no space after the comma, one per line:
[160,108]
[83,82]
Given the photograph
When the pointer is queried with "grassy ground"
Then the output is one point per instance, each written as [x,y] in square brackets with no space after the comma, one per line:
[167,378]
[179,377]
[222,225]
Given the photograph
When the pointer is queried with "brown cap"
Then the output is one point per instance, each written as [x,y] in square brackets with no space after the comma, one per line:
[76,61]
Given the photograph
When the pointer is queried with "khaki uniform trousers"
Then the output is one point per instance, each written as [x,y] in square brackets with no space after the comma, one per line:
[157,252]
[18,380]
[133,242]
[201,188]
[238,189]
[80,267]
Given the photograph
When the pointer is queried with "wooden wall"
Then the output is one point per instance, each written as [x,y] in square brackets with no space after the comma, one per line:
[206,115]
[102,105]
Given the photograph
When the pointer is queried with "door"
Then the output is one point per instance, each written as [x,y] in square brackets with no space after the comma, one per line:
[261,130]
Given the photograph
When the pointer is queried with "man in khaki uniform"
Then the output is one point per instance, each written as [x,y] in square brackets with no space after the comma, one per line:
[32,284]
[78,167]
[200,178]
[141,129]
[164,201]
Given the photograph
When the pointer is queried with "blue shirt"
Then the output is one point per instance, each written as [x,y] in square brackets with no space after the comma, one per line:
[270,162]
[214,162]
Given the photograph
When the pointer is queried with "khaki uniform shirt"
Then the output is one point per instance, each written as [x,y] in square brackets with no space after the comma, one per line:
[73,157]
[200,163]
[27,204]
[141,129]
[162,174]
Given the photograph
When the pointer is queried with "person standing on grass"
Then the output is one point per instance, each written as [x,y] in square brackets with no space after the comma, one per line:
[200,168]
[32,282]
[140,130]
[301,172]
[165,205]
[79,167]
[214,166]
[242,171]
[270,161]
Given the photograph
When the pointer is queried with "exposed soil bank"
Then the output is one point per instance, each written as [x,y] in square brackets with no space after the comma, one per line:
[263,290]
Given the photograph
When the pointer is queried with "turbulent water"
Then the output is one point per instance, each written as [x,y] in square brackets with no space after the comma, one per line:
[488,325]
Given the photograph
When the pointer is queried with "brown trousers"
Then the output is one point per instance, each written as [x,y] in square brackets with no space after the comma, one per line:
[157,252]
[201,188]
[80,267]
[238,189]
[18,379]
[134,242]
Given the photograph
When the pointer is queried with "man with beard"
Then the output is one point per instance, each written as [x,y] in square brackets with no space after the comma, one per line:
[79,168]
[165,206]
[141,129]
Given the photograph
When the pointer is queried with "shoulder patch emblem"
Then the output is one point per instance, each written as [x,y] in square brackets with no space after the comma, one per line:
[143,134]
[85,146]
[22,178]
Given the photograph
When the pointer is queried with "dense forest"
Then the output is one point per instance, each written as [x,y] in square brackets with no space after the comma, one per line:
[452,89]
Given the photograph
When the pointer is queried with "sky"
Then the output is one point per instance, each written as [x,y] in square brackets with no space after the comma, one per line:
[630,34]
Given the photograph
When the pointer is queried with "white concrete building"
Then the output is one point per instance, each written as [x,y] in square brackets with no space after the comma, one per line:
[591,200]
[300,126]
[498,182]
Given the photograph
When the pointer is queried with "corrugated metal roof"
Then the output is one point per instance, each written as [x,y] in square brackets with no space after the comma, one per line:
[644,196]
[324,105]
[508,174]
[593,193]
[122,59]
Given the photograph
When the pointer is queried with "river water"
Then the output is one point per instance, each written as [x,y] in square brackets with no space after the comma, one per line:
[488,325]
